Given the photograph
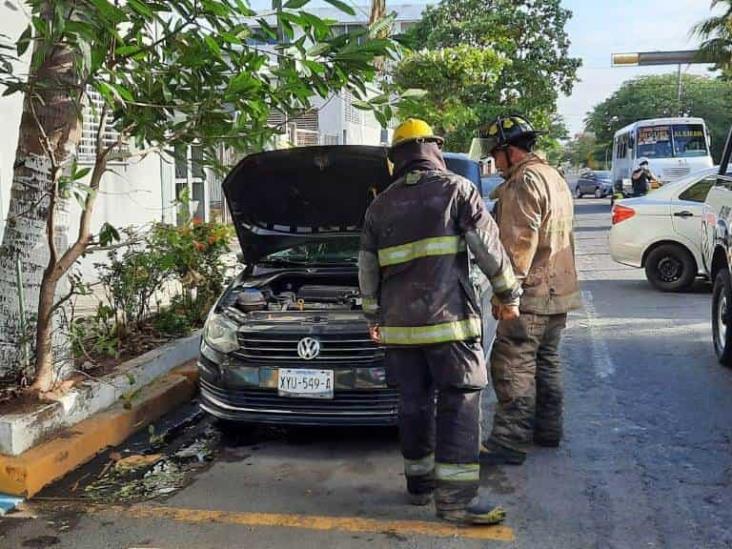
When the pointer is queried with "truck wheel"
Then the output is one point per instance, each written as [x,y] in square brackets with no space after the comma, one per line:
[670,268]
[721,301]
[577,191]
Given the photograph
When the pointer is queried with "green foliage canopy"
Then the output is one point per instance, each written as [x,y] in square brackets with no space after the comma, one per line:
[528,64]
[455,79]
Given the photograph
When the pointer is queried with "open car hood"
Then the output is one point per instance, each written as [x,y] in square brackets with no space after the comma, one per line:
[279,199]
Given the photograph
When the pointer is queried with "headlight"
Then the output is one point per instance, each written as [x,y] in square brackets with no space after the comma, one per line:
[220,333]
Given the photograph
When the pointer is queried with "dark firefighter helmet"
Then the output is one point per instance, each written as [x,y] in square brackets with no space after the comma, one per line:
[500,134]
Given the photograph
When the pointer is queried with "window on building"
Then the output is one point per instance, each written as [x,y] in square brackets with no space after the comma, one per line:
[352,114]
[190,183]
[197,161]
[91,114]
[181,162]
[347,28]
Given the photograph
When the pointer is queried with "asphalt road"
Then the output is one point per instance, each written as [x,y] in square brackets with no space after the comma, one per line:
[646,460]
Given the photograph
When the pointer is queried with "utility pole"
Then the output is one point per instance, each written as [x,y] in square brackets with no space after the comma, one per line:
[678,90]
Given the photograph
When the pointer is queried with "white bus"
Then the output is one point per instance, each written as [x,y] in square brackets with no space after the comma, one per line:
[674,147]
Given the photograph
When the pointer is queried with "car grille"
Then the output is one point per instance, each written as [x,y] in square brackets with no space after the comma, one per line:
[348,348]
[350,403]
[676,173]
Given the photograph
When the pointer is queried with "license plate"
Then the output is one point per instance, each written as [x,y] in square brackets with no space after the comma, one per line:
[299,383]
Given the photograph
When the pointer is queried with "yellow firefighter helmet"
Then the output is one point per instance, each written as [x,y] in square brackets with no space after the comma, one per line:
[414,129]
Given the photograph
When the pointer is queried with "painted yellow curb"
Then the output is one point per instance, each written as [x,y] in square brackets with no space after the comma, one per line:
[26,474]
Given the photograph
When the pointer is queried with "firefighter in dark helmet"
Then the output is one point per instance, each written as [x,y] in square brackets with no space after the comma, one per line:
[417,295]
[535,217]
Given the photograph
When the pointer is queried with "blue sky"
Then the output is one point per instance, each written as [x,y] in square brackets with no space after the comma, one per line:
[602,27]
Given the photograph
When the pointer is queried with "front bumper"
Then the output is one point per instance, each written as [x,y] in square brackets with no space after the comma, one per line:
[235,391]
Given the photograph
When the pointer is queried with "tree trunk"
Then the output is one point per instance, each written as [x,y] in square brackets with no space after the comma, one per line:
[50,130]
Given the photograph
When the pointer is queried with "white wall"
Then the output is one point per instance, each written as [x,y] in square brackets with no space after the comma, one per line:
[332,121]
[12,24]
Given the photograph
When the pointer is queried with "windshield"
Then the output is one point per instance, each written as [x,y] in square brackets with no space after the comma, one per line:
[689,140]
[679,140]
[605,176]
[341,250]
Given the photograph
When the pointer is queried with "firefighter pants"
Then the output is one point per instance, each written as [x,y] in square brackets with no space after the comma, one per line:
[527,377]
[439,418]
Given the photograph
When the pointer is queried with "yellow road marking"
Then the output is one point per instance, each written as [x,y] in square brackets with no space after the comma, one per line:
[308,522]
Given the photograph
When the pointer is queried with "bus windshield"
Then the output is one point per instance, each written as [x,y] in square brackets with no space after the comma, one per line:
[678,140]
[689,140]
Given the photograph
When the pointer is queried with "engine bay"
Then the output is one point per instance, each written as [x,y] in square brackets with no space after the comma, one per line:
[301,293]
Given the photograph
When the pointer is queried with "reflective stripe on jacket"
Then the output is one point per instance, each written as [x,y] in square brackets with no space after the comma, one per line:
[414,268]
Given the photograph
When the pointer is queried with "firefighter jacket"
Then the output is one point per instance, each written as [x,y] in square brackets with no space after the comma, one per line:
[535,216]
[414,266]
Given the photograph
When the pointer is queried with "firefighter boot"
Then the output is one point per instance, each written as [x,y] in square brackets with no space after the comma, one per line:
[480,511]
[420,489]
[492,453]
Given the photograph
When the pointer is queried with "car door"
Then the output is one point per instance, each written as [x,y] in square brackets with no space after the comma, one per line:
[687,213]
[584,183]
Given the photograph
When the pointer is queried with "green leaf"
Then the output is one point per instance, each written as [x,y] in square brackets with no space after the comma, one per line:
[24,40]
[80,174]
[317,68]
[362,105]
[342,6]
[219,9]
[413,93]
[123,92]
[113,92]
[109,11]
[125,51]
[108,234]
[212,45]
[296,4]
[318,49]
[86,54]
[243,82]
[140,8]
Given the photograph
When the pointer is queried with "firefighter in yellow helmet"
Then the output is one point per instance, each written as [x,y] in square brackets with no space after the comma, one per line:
[420,303]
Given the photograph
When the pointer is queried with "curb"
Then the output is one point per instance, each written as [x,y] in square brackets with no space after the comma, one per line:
[26,474]
[23,431]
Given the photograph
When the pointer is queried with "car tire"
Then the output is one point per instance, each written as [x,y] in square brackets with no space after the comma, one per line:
[577,191]
[721,300]
[599,192]
[670,268]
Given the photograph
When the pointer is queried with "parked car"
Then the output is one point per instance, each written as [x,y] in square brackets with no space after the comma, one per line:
[717,251]
[662,232]
[287,341]
[597,183]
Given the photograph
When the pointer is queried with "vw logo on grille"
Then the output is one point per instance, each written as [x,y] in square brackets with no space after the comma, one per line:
[308,348]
